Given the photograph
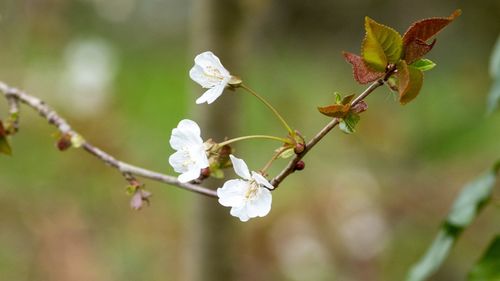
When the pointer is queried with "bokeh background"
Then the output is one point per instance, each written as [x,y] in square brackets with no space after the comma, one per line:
[366,206]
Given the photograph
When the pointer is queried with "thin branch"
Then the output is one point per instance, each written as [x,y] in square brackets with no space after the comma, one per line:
[290,168]
[14,96]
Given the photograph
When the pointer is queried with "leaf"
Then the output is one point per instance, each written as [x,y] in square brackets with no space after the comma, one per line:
[434,257]
[348,123]
[414,39]
[347,99]
[470,201]
[410,81]
[494,95]
[417,49]
[381,45]
[495,61]
[362,74]
[287,153]
[488,267]
[423,64]
[335,110]
[467,206]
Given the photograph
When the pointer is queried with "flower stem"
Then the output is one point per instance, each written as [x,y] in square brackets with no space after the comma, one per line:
[265,102]
[255,137]
[270,162]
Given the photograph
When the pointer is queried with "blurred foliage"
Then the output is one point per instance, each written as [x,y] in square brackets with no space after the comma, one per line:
[488,267]
[465,209]
[364,207]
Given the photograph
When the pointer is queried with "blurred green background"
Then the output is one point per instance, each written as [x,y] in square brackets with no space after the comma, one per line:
[366,206]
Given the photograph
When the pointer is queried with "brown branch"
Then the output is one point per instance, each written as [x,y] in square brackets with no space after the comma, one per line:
[14,96]
[290,168]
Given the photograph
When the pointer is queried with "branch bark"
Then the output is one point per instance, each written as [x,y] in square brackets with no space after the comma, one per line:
[14,96]
[290,168]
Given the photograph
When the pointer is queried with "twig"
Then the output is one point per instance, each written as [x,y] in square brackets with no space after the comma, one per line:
[14,96]
[290,168]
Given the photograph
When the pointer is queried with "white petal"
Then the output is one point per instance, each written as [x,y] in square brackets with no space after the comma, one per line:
[186,134]
[198,75]
[240,212]
[240,167]
[261,204]
[208,59]
[211,94]
[232,193]
[177,160]
[191,174]
[261,180]
[200,157]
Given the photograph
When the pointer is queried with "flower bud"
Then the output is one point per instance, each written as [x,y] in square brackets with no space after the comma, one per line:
[64,142]
[299,148]
[299,166]
[205,173]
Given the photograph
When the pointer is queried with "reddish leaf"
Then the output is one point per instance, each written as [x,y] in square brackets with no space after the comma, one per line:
[414,39]
[417,49]
[335,110]
[360,71]
[410,81]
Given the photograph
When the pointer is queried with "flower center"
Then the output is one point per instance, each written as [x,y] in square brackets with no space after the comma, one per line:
[213,73]
[188,159]
[252,190]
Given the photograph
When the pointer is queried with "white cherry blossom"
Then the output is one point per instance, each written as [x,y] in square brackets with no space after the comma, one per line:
[210,74]
[248,197]
[190,156]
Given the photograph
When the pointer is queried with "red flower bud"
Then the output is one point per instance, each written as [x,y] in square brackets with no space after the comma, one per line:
[299,148]
[299,166]
[64,142]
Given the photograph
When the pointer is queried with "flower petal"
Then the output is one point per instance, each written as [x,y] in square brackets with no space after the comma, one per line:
[261,180]
[232,193]
[261,204]
[211,94]
[240,167]
[198,75]
[177,161]
[209,60]
[191,174]
[186,134]
[240,212]
[199,155]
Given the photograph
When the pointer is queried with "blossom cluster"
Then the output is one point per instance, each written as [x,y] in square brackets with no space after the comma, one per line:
[249,196]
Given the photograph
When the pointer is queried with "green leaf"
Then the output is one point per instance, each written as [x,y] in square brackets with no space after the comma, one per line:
[423,64]
[5,146]
[495,61]
[348,123]
[381,45]
[488,267]
[494,95]
[471,200]
[434,257]
[287,153]
[410,80]
[467,206]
